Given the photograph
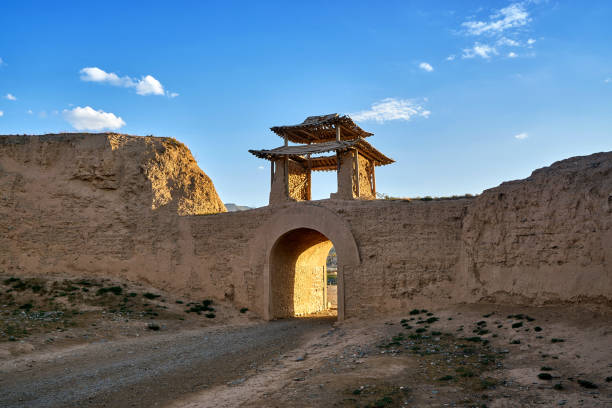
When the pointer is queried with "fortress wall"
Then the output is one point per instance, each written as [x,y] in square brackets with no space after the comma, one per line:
[109,205]
[409,253]
[544,239]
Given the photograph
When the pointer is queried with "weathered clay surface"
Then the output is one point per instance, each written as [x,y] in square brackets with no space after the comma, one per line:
[545,238]
[96,203]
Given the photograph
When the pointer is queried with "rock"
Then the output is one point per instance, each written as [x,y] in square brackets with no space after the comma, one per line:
[21,348]
[236,382]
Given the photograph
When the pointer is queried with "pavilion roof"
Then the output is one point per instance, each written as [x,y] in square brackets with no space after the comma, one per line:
[300,152]
[317,129]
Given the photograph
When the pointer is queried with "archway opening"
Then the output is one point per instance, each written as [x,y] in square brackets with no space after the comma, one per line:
[298,275]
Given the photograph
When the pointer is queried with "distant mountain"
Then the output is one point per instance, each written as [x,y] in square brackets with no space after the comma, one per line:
[231,207]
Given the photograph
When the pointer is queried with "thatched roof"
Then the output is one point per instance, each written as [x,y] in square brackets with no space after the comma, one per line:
[317,129]
[300,152]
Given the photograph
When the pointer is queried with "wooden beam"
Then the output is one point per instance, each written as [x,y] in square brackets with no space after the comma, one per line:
[337,133]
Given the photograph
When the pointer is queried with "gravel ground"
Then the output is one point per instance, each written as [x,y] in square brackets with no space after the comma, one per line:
[152,371]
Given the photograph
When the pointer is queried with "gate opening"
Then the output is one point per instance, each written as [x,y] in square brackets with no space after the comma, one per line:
[298,275]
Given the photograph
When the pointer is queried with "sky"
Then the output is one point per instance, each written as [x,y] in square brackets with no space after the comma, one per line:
[462,94]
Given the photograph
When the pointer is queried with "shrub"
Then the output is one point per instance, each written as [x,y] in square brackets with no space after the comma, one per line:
[587,384]
[517,325]
[116,290]
[537,328]
[415,311]
[244,310]
[558,386]
[546,369]
[153,326]
[446,378]
[210,315]
[553,340]
[150,296]
[544,376]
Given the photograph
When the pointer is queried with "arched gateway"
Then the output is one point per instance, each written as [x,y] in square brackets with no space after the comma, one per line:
[295,242]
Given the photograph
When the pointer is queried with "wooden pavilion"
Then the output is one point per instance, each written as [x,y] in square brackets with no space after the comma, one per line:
[354,159]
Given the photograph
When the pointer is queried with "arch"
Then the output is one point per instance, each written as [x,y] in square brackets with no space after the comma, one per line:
[304,217]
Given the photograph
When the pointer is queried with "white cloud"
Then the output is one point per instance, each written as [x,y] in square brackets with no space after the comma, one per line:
[426,67]
[88,118]
[147,85]
[479,50]
[1,62]
[512,55]
[10,97]
[521,136]
[507,41]
[506,18]
[260,167]
[391,109]
[30,112]
[95,74]
[1,113]
[608,80]
[450,57]
[531,41]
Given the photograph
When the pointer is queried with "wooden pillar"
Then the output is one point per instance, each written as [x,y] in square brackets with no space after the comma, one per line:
[337,140]
[287,176]
[309,195]
[357,172]
[374,178]
[286,170]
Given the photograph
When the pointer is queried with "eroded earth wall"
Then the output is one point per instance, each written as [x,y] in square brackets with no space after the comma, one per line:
[103,204]
[544,239]
[140,208]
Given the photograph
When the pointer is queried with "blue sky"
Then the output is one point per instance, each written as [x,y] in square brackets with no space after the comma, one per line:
[463,95]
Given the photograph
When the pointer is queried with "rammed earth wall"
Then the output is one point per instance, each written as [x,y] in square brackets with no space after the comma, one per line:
[117,205]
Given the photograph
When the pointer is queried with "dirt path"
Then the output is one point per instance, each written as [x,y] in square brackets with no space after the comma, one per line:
[152,371]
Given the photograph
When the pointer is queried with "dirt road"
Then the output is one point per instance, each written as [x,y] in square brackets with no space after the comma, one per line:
[152,371]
